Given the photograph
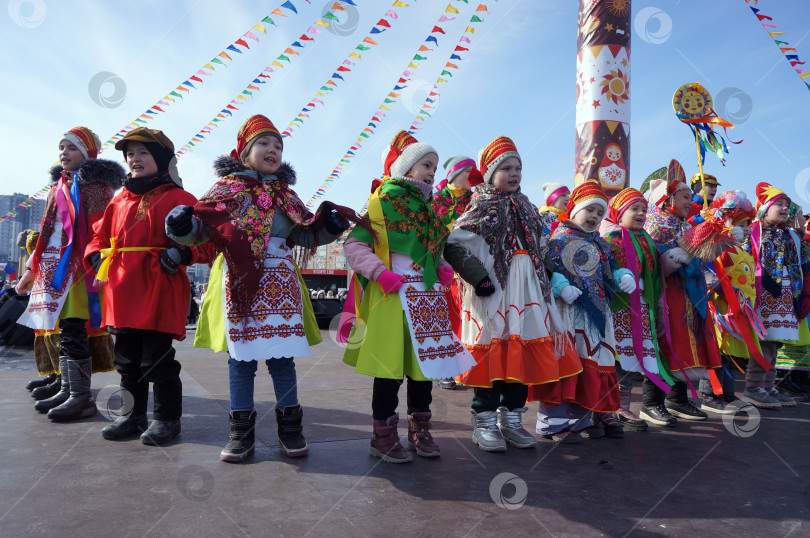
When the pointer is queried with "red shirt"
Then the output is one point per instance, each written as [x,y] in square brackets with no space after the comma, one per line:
[139,294]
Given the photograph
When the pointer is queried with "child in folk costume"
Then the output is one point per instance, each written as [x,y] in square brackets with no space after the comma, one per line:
[510,322]
[585,278]
[736,323]
[255,308]
[455,190]
[403,322]
[793,361]
[783,289]
[634,313]
[130,251]
[455,193]
[556,195]
[685,334]
[63,292]
[46,342]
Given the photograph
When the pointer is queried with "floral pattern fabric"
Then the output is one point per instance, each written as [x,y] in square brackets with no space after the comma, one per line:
[584,259]
[498,217]
[449,207]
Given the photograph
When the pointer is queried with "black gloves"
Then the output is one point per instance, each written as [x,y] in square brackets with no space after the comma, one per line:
[485,288]
[178,221]
[335,223]
[172,258]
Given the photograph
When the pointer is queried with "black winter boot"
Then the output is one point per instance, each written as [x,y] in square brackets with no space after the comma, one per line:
[81,403]
[161,432]
[59,397]
[124,426]
[242,436]
[49,390]
[40,382]
[289,431]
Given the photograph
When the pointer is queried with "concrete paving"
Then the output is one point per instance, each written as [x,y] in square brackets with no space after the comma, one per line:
[743,476]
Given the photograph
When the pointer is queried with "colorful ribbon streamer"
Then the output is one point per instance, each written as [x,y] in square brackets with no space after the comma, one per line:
[433,96]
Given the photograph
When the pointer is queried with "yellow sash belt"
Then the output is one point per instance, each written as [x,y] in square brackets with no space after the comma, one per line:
[107,255]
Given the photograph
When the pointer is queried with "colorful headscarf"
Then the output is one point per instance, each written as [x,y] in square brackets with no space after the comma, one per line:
[255,126]
[619,203]
[730,205]
[767,194]
[583,195]
[491,157]
[86,140]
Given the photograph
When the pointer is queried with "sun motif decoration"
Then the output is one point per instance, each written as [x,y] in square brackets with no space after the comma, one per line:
[618,8]
[741,271]
[615,86]
[692,101]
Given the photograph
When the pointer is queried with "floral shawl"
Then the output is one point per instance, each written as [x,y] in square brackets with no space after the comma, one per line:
[238,213]
[449,207]
[412,228]
[584,259]
[665,228]
[498,217]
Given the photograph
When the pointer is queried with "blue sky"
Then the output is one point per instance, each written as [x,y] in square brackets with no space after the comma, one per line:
[518,79]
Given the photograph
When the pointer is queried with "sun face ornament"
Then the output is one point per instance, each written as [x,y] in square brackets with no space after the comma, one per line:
[692,101]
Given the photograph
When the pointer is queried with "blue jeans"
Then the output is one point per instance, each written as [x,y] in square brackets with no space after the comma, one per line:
[285,385]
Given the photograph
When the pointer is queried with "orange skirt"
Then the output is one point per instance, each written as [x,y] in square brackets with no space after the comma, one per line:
[595,388]
[533,362]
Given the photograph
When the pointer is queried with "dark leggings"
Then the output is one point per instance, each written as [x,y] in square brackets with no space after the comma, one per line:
[385,398]
[510,395]
[652,396]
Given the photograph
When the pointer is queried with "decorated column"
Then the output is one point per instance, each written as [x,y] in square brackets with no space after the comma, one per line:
[603,94]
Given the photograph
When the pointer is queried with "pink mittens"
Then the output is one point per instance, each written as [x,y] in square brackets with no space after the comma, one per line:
[390,281]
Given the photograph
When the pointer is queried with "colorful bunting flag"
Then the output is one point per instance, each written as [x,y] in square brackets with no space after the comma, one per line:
[246,94]
[208,66]
[792,58]
[390,98]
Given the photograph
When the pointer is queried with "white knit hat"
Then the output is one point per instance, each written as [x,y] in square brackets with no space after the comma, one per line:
[410,156]
[402,153]
[553,188]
